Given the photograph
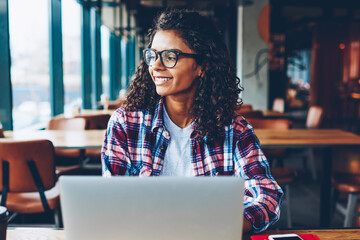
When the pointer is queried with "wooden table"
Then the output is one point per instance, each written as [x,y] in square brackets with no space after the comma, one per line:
[87,112]
[62,139]
[53,234]
[96,112]
[327,139]
[35,234]
[274,114]
[300,138]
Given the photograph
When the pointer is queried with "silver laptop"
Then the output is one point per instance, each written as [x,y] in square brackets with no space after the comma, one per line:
[155,208]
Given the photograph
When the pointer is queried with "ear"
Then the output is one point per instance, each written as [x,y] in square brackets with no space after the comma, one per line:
[202,72]
[201,75]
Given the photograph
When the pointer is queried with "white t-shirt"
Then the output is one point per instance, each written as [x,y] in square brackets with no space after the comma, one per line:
[177,161]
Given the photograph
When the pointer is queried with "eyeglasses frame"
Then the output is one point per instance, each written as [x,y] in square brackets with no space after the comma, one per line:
[177,53]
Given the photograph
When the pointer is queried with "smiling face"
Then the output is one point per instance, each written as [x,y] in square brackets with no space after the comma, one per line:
[178,82]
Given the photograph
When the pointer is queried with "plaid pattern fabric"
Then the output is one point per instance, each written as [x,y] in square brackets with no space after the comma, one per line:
[135,144]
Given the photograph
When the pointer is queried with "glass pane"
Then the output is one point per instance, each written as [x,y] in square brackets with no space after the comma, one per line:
[71,30]
[298,72]
[29,46]
[105,38]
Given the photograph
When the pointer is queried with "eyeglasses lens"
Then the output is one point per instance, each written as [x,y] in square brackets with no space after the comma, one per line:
[150,57]
[168,58]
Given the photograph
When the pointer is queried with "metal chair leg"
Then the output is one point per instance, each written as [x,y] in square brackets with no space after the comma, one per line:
[311,163]
[288,206]
[57,217]
[350,209]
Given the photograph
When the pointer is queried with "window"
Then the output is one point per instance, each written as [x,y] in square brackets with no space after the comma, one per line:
[71,30]
[29,47]
[105,38]
[298,72]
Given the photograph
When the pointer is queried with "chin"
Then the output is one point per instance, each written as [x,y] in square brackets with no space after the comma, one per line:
[161,92]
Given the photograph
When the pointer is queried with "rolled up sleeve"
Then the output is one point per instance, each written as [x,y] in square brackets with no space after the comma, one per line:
[114,153]
[263,195]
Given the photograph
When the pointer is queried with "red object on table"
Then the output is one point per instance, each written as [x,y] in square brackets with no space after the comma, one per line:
[303,236]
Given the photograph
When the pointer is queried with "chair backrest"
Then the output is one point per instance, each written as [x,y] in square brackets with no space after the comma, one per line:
[246,107]
[269,123]
[116,104]
[314,117]
[97,121]
[279,105]
[67,124]
[17,153]
[251,114]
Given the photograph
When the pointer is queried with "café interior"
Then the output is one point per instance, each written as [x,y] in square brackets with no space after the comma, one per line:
[66,65]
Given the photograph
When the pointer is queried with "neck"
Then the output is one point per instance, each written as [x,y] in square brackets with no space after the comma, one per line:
[179,111]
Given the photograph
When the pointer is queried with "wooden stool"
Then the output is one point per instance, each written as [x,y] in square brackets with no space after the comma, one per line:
[350,184]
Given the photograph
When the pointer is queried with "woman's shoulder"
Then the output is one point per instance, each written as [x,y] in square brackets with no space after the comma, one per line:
[240,124]
[124,114]
[244,133]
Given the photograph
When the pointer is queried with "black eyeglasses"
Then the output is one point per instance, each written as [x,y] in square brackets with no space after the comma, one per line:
[168,58]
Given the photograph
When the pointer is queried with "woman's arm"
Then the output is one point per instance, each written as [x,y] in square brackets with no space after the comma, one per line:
[263,195]
[114,155]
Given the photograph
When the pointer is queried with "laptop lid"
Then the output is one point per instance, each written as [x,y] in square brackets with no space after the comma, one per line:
[155,208]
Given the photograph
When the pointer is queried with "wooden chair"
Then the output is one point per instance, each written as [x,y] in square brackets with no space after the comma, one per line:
[250,114]
[350,185]
[278,105]
[283,175]
[314,119]
[98,121]
[1,131]
[279,123]
[346,183]
[94,122]
[246,107]
[68,161]
[276,153]
[115,104]
[28,183]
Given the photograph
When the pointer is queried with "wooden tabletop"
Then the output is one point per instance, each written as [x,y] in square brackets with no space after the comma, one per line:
[87,112]
[96,112]
[274,114]
[306,138]
[267,137]
[62,139]
[35,234]
[52,234]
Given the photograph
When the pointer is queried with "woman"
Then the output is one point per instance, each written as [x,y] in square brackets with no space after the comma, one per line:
[179,117]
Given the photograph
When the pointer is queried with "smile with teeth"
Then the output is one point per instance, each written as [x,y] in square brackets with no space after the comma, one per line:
[163,79]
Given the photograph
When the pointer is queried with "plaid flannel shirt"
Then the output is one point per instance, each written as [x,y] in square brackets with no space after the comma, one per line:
[135,144]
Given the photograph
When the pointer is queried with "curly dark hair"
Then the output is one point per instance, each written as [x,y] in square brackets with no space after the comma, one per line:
[217,96]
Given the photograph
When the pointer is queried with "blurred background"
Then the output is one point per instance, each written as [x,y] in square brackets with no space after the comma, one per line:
[59,55]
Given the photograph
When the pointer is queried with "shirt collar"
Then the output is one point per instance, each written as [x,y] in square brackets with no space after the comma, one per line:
[158,120]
